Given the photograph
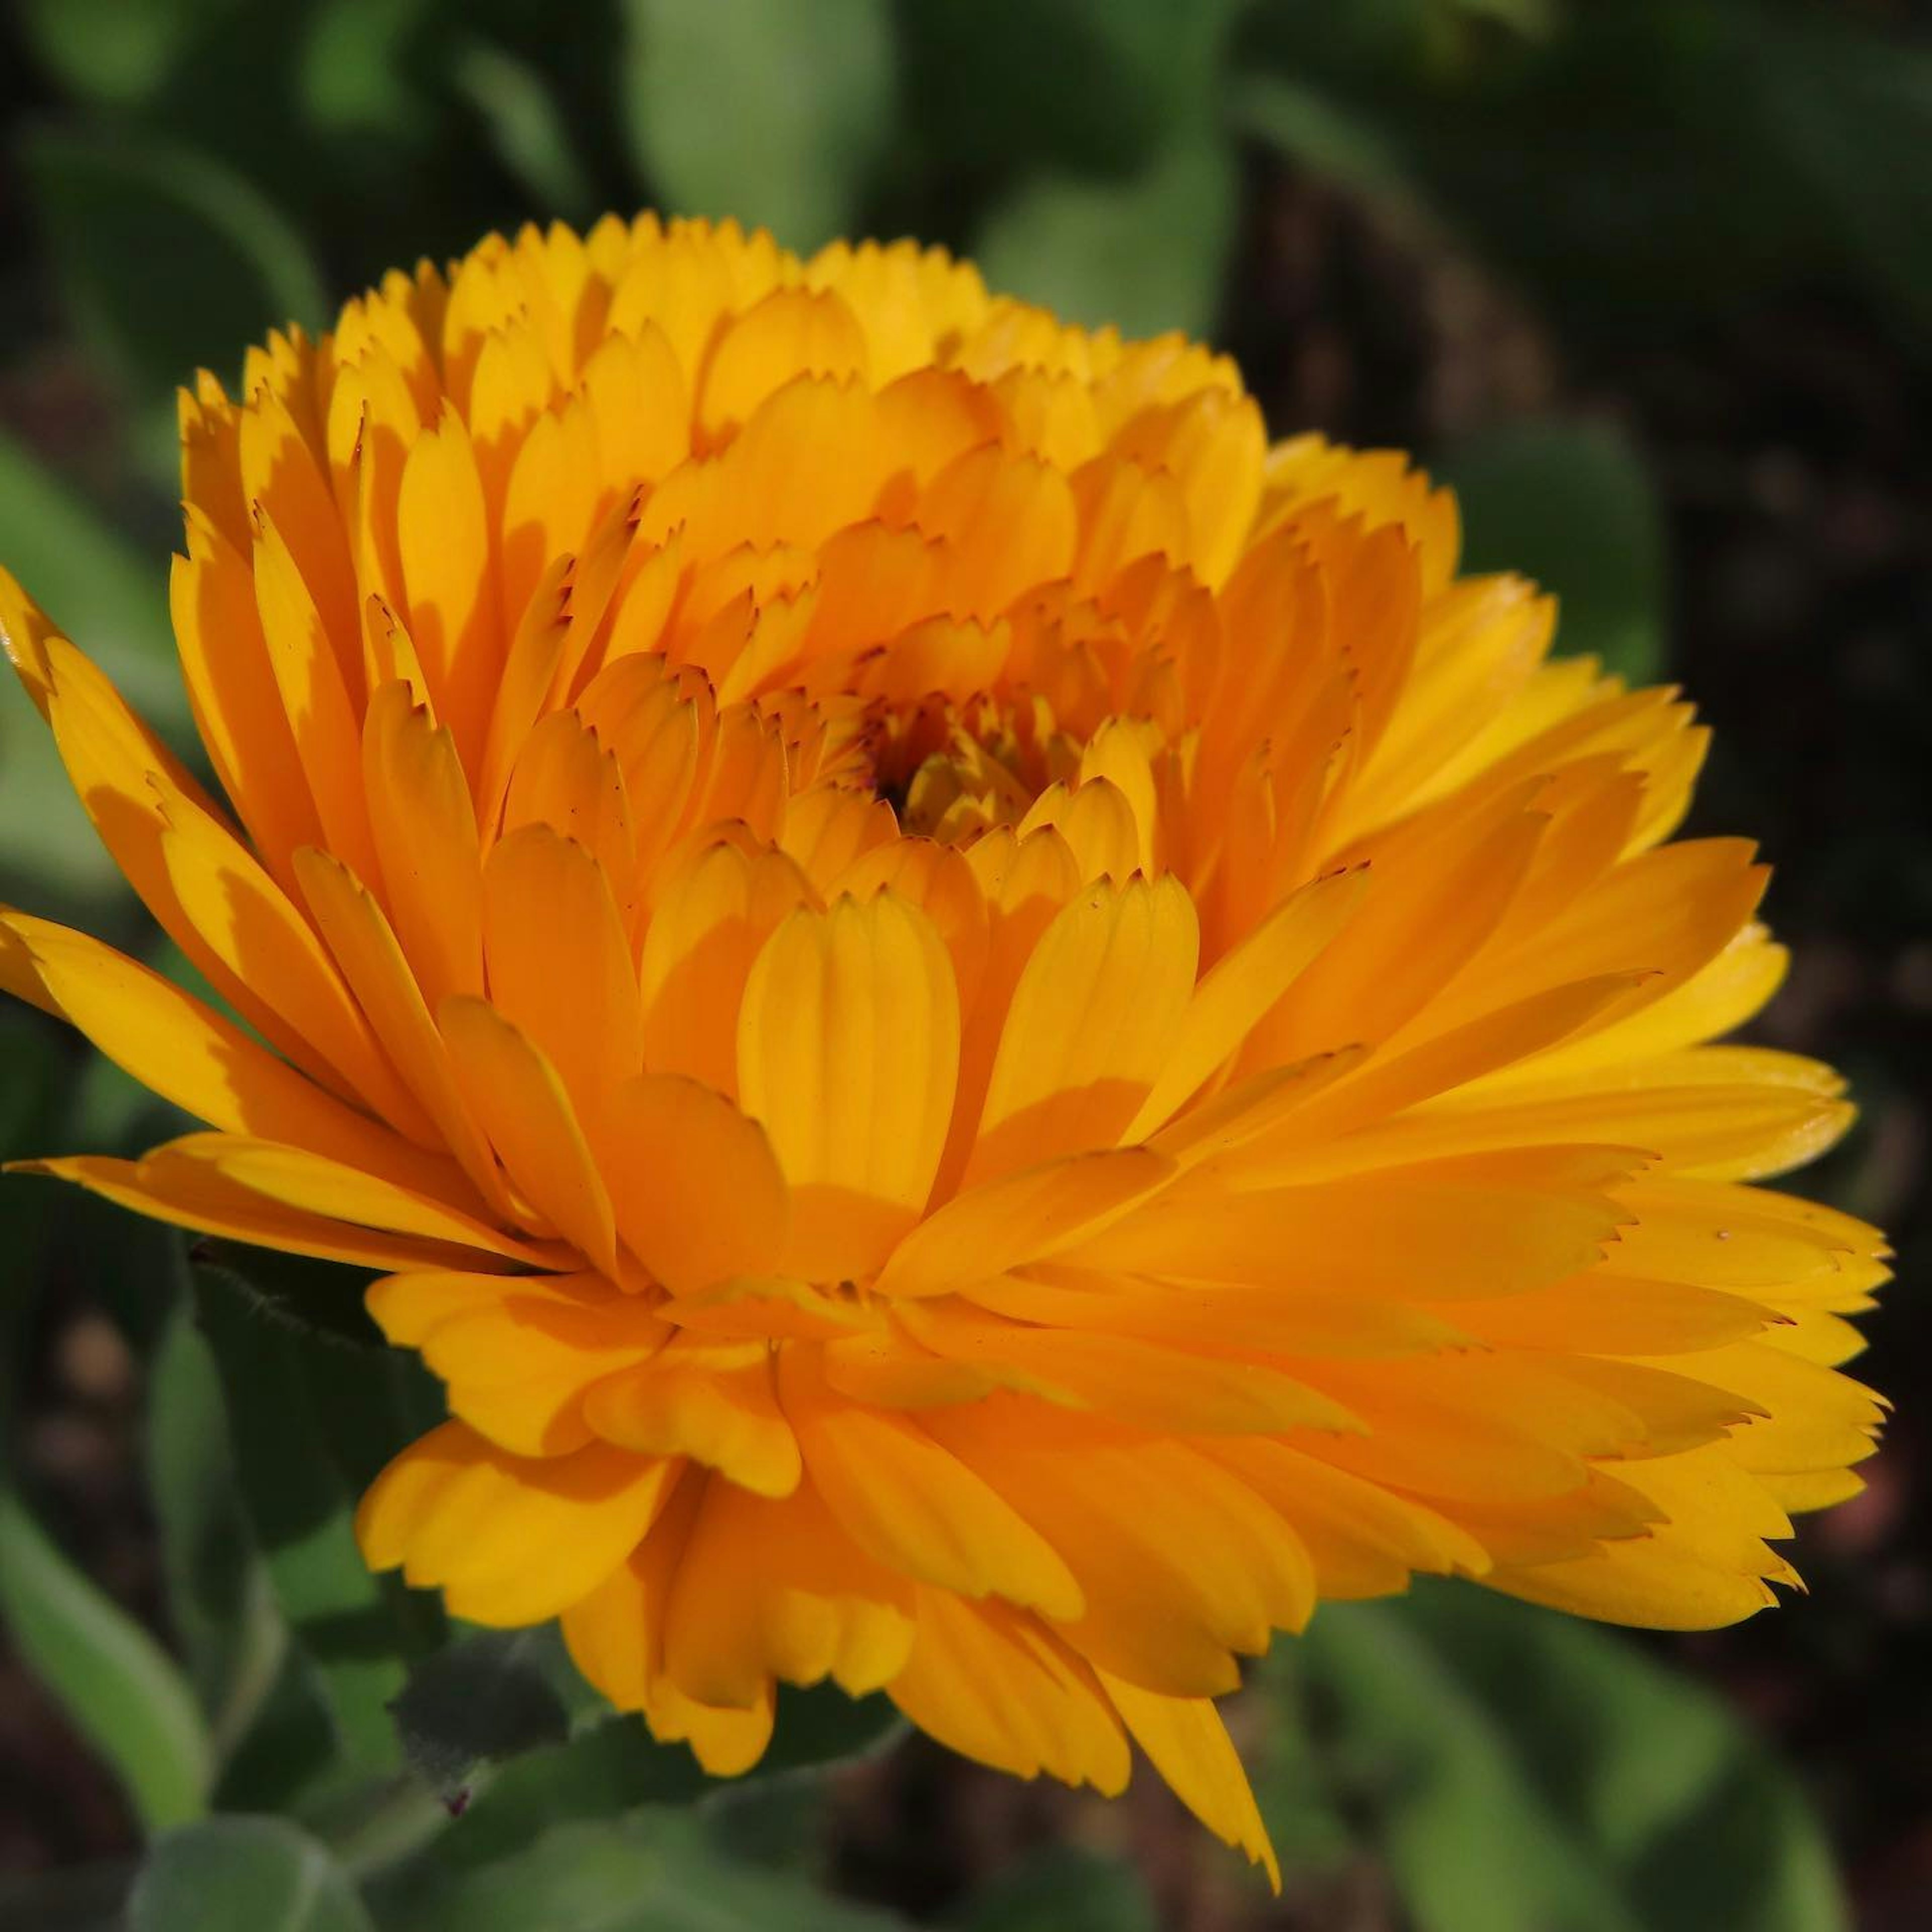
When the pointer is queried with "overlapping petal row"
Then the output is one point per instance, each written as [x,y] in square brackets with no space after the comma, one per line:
[994,1034]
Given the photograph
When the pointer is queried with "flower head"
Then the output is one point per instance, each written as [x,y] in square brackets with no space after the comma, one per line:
[994,1034]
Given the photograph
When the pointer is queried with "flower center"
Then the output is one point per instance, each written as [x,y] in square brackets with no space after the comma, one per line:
[950,770]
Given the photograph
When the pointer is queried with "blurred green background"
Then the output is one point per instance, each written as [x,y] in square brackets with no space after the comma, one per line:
[1650,281]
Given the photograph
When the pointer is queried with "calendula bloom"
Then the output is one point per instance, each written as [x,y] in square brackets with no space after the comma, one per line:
[994,1034]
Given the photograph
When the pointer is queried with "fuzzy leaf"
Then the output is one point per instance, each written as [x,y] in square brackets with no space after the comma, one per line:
[312,1419]
[123,1692]
[1145,253]
[791,142]
[1571,505]
[1521,1770]
[262,1873]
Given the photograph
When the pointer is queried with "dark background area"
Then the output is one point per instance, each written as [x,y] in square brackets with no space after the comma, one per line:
[1650,280]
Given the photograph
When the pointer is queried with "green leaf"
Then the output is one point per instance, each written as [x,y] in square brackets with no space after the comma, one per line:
[487,1697]
[579,1876]
[1851,111]
[525,126]
[260,1873]
[169,260]
[1635,223]
[291,1756]
[1007,86]
[1063,1888]
[1295,1788]
[105,592]
[1535,19]
[124,1693]
[824,1726]
[1570,504]
[767,109]
[322,1300]
[1525,1772]
[32,1082]
[220,1600]
[311,1420]
[50,855]
[615,1766]
[655,1872]
[1146,253]
[1324,133]
[115,51]
[354,76]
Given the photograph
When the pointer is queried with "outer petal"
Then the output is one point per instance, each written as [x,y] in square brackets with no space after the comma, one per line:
[509,1541]
[1187,1743]
[169,1041]
[519,1352]
[912,1506]
[992,1683]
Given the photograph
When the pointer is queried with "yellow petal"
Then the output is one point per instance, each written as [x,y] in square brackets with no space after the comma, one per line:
[169,1041]
[559,962]
[1705,1566]
[758,353]
[508,1539]
[714,917]
[1151,1386]
[564,779]
[518,1351]
[442,536]
[242,914]
[514,1093]
[184,1191]
[1022,1218]
[311,1184]
[711,1400]
[237,703]
[616,1637]
[1242,988]
[1362,1539]
[770,1587]
[425,832]
[1452,883]
[1010,521]
[1425,1234]
[1185,1314]
[991,1683]
[365,948]
[1168,1610]
[282,481]
[1093,1017]
[912,1505]
[309,677]
[1188,1745]
[848,1050]
[698,1195]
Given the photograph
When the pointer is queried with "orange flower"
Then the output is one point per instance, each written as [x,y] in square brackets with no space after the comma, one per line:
[994,1034]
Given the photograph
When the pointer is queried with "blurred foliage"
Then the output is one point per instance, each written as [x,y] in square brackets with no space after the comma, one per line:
[186,174]
[122,1689]
[1062,1889]
[1520,1770]
[262,1872]
[312,1418]
[1570,504]
[790,144]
